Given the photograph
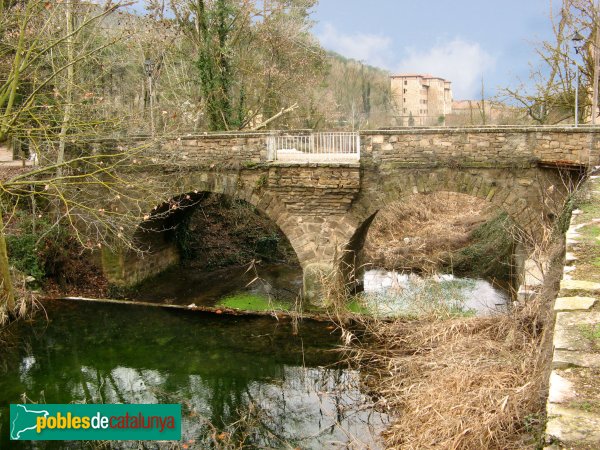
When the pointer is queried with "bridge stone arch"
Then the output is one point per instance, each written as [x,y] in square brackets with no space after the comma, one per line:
[532,197]
[313,237]
[527,195]
[325,212]
[325,208]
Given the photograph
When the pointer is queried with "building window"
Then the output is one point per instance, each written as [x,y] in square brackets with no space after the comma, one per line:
[405,82]
[405,91]
[404,110]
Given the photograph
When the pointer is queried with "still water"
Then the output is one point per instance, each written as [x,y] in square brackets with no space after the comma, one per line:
[392,293]
[385,293]
[290,387]
[181,285]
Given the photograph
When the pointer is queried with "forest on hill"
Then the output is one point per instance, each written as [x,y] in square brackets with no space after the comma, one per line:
[74,69]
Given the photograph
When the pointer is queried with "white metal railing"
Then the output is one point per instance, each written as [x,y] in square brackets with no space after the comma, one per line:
[314,147]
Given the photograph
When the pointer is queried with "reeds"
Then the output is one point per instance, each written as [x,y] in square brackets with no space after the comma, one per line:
[465,383]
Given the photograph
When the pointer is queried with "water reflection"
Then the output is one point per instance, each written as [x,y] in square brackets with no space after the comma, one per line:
[393,293]
[182,285]
[288,387]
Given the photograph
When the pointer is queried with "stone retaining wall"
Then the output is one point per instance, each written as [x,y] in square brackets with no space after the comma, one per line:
[573,406]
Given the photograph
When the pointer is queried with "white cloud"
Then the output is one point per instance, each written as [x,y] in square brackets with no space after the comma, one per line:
[462,62]
[371,48]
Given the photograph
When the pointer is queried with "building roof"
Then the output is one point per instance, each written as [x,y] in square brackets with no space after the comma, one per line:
[419,75]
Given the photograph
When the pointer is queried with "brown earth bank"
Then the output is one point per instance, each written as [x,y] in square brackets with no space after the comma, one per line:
[59,264]
[6,172]
[219,232]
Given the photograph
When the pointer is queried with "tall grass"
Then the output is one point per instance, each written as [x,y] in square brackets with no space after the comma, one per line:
[26,303]
[462,383]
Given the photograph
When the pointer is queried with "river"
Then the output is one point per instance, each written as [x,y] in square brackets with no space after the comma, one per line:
[290,387]
[384,292]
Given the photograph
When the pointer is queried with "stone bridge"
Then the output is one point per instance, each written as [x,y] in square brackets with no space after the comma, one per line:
[325,209]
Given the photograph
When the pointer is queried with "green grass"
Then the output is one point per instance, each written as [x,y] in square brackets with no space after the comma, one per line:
[489,252]
[251,302]
[357,307]
[591,332]
[456,311]
[591,231]
[591,209]
[587,406]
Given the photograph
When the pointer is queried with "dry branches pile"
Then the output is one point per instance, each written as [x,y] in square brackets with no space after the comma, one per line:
[473,383]
[417,234]
[459,384]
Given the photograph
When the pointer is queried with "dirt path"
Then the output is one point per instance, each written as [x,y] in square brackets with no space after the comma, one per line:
[6,159]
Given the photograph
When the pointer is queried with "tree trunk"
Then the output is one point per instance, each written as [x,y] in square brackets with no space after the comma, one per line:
[7,294]
[64,129]
[9,96]
[596,48]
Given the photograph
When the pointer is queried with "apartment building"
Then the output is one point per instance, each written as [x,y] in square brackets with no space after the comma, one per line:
[421,100]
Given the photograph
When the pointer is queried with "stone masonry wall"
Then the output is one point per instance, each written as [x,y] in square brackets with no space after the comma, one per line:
[128,269]
[219,149]
[408,147]
[320,207]
[573,406]
[315,191]
[479,147]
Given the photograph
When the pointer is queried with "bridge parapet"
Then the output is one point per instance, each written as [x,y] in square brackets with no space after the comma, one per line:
[219,149]
[481,147]
[296,147]
[426,147]
[313,147]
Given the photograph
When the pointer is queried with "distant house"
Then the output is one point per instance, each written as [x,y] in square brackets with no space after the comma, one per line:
[421,100]
[477,112]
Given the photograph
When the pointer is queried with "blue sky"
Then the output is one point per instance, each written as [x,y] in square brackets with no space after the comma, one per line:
[462,40]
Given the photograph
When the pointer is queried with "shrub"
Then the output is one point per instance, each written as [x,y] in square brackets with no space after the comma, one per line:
[24,254]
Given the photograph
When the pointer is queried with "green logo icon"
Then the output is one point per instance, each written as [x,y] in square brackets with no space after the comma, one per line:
[24,419]
[95,422]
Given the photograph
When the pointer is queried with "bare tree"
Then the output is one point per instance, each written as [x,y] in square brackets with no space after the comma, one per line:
[254,60]
[549,96]
[94,189]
